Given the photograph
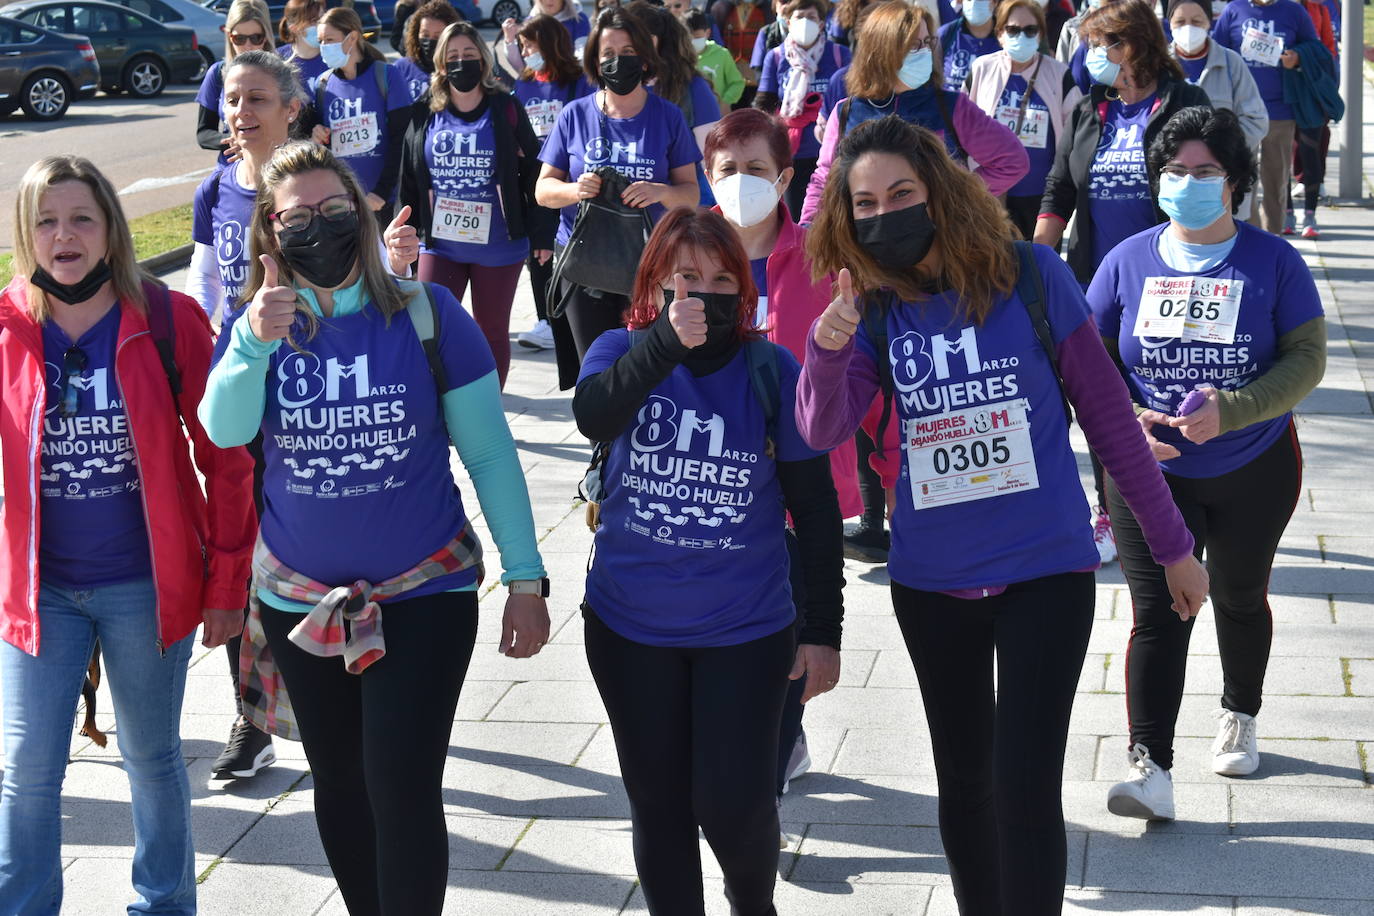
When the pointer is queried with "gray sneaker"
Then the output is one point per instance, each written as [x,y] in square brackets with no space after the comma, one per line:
[799,764]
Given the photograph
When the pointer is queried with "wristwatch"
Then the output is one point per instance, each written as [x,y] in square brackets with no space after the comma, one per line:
[538,587]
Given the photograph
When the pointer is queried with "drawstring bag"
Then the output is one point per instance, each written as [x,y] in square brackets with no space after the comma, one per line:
[605,246]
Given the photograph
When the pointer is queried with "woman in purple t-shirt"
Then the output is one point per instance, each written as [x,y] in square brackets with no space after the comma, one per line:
[990,556]
[1219,332]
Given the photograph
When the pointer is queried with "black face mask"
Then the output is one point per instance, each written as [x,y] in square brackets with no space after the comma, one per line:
[427,47]
[897,239]
[324,252]
[622,74]
[722,317]
[464,75]
[73,293]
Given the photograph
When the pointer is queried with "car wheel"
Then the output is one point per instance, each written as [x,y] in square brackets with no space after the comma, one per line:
[45,96]
[145,77]
[505,9]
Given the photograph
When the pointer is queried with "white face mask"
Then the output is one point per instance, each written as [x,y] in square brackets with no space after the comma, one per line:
[804,31]
[746,200]
[1190,38]
[699,44]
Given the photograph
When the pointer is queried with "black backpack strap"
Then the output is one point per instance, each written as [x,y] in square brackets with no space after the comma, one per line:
[162,327]
[424,317]
[875,326]
[766,379]
[960,154]
[1030,288]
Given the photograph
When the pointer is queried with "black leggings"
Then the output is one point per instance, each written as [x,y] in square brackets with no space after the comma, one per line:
[792,709]
[1309,153]
[696,731]
[999,756]
[1239,518]
[377,743]
[587,317]
[870,482]
[1024,211]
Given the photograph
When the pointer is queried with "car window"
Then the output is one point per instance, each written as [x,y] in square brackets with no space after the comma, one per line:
[134,22]
[7,35]
[52,17]
[154,9]
[26,36]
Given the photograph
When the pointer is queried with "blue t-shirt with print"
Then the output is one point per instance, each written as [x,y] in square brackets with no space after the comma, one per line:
[461,156]
[1119,185]
[210,96]
[1041,156]
[94,532]
[961,48]
[989,504]
[544,100]
[1192,66]
[308,67]
[1245,27]
[646,147]
[221,217]
[691,547]
[774,80]
[356,114]
[1276,295]
[356,480]
[417,80]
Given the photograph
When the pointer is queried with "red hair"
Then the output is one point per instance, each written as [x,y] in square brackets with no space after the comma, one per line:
[743,125]
[689,227]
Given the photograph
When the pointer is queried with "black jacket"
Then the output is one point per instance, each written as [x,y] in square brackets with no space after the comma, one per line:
[517,170]
[1066,187]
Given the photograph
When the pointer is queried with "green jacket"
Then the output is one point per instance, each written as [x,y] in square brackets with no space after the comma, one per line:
[716,64]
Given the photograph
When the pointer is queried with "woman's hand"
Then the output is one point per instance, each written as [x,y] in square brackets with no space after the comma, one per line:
[1188,584]
[644,193]
[402,243]
[821,665]
[542,255]
[588,185]
[220,626]
[840,319]
[374,203]
[510,30]
[273,309]
[1202,424]
[320,134]
[524,627]
[232,151]
[1162,451]
[1289,59]
[687,315]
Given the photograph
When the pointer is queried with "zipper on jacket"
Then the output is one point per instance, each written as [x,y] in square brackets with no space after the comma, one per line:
[143,499]
[35,437]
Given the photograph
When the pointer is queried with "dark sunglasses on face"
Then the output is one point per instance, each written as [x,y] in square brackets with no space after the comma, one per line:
[1016,31]
[241,40]
[73,364]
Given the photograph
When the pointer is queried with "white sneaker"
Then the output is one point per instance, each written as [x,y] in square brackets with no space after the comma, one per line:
[1148,792]
[1103,536]
[1236,750]
[799,764]
[539,337]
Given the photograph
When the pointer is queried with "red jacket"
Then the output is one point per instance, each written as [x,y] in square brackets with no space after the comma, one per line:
[200,553]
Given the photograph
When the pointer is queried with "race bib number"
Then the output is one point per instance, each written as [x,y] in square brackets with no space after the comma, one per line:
[1259,47]
[462,220]
[971,454]
[1199,309]
[543,115]
[354,136]
[1035,125]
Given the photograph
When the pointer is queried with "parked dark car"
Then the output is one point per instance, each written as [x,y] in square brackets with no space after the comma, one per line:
[475,11]
[136,54]
[43,71]
[372,26]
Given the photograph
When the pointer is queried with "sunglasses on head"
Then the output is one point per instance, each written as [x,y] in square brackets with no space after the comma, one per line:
[1016,31]
[73,364]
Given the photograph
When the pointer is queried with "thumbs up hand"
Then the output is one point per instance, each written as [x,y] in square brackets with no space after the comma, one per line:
[840,319]
[273,308]
[687,315]
[402,243]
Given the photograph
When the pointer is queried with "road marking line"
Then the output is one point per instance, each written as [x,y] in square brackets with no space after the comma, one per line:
[152,184]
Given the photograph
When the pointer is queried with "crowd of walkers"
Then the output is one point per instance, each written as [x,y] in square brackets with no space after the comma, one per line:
[798,264]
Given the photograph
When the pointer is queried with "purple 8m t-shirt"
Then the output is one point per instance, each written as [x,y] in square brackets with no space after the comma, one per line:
[1119,186]
[356,114]
[221,215]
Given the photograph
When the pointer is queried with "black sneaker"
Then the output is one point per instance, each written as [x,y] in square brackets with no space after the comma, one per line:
[867,543]
[247,752]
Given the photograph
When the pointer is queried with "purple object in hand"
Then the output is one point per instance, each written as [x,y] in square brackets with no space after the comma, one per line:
[1192,402]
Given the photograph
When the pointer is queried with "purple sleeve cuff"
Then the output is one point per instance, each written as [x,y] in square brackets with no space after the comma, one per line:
[1002,160]
[1099,396]
[833,392]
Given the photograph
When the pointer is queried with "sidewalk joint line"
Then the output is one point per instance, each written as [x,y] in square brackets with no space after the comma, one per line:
[511,851]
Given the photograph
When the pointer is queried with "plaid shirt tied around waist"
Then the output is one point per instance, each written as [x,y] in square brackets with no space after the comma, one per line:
[345,620]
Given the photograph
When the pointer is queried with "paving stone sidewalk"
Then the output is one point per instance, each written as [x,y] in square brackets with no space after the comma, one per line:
[538,821]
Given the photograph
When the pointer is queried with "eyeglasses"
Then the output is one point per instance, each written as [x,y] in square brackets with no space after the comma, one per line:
[73,364]
[1202,172]
[1098,44]
[241,40]
[332,209]
[1016,31]
[925,43]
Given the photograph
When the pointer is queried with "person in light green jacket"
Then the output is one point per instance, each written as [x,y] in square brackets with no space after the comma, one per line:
[713,61]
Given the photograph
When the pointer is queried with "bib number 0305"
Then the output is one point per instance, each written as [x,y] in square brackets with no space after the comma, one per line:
[970,454]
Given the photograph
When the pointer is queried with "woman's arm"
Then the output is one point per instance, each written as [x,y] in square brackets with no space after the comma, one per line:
[208,135]
[1299,368]
[202,280]
[553,190]
[834,392]
[808,492]
[1001,157]
[1061,191]
[1247,102]
[236,391]
[682,190]
[605,404]
[397,120]
[829,140]
[540,222]
[477,426]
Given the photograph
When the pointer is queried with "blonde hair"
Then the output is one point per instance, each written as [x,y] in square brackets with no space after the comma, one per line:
[297,158]
[889,31]
[127,277]
[241,11]
[438,80]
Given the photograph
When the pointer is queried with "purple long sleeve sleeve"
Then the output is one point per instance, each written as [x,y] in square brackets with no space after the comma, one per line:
[834,392]
[1098,394]
[1001,159]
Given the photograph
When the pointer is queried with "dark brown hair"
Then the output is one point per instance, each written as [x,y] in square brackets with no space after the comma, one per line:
[1134,24]
[615,18]
[1007,7]
[551,37]
[438,10]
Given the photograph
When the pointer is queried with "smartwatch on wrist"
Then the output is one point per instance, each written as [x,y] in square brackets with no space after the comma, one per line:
[537,587]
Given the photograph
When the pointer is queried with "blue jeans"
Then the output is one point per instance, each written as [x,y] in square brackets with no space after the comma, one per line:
[40,694]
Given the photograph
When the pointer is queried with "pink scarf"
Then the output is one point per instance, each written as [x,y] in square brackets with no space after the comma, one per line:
[802,64]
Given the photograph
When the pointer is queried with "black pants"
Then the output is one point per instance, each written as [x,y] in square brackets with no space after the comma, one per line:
[587,317]
[1239,518]
[1309,153]
[539,285]
[1023,212]
[696,731]
[999,757]
[792,708]
[870,482]
[377,743]
[795,196]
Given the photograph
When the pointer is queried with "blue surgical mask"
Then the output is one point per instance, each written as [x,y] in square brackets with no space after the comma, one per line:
[1021,48]
[1100,67]
[978,12]
[333,54]
[312,36]
[916,68]
[1193,203]
[534,61]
